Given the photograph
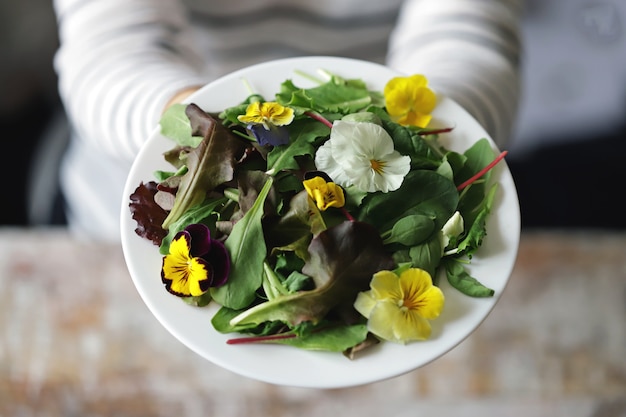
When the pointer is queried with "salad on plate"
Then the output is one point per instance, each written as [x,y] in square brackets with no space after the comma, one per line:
[323,218]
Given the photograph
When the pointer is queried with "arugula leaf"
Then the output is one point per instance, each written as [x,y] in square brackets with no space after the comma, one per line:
[328,97]
[477,231]
[302,136]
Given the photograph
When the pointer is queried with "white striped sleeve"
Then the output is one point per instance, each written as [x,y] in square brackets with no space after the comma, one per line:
[119,62]
[469,50]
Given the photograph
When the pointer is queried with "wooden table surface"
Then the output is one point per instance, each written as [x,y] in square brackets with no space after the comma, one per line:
[77,340]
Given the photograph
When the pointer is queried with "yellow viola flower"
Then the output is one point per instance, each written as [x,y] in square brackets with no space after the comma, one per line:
[195,262]
[325,194]
[409,100]
[268,114]
[398,308]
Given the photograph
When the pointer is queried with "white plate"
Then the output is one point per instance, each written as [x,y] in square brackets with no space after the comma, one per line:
[285,365]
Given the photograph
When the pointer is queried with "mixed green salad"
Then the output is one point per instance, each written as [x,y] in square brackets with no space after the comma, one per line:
[321,218]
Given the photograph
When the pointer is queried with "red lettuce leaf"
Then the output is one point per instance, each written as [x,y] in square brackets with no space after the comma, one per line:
[147,213]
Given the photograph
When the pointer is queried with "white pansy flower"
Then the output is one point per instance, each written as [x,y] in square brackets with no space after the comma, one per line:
[452,229]
[362,154]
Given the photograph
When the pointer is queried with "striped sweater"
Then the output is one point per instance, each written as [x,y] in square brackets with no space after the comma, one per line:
[121,61]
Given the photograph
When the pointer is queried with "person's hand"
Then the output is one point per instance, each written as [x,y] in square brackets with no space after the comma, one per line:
[181,95]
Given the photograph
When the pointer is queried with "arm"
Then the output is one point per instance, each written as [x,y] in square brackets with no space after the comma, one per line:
[469,50]
[120,62]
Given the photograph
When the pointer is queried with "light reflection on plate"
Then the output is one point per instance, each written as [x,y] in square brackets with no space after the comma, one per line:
[285,365]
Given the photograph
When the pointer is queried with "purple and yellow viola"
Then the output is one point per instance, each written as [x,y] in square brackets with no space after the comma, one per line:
[195,262]
[267,122]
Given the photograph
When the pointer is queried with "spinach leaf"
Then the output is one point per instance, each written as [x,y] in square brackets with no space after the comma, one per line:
[427,256]
[460,279]
[422,192]
[410,230]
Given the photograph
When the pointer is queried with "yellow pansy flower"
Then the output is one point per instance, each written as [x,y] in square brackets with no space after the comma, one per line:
[325,194]
[268,114]
[398,308]
[195,262]
[409,100]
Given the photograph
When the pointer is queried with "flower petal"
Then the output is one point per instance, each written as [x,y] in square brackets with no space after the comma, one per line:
[383,317]
[187,275]
[412,326]
[192,279]
[180,246]
[414,281]
[220,261]
[364,303]
[386,286]
[370,140]
[267,114]
[393,168]
[272,135]
[200,239]
[420,295]
[325,161]
[342,140]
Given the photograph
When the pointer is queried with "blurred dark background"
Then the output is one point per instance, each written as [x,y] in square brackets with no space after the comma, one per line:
[567,154]
[29,103]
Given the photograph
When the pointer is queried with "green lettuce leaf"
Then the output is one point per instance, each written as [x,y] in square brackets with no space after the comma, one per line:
[247,250]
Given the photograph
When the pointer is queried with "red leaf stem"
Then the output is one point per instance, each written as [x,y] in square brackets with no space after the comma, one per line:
[256,339]
[347,214]
[483,171]
[436,131]
[319,118]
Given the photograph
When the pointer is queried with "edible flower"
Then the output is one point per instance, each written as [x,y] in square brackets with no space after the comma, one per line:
[325,194]
[453,228]
[362,154]
[399,307]
[267,121]
[409,100]
[195,262]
